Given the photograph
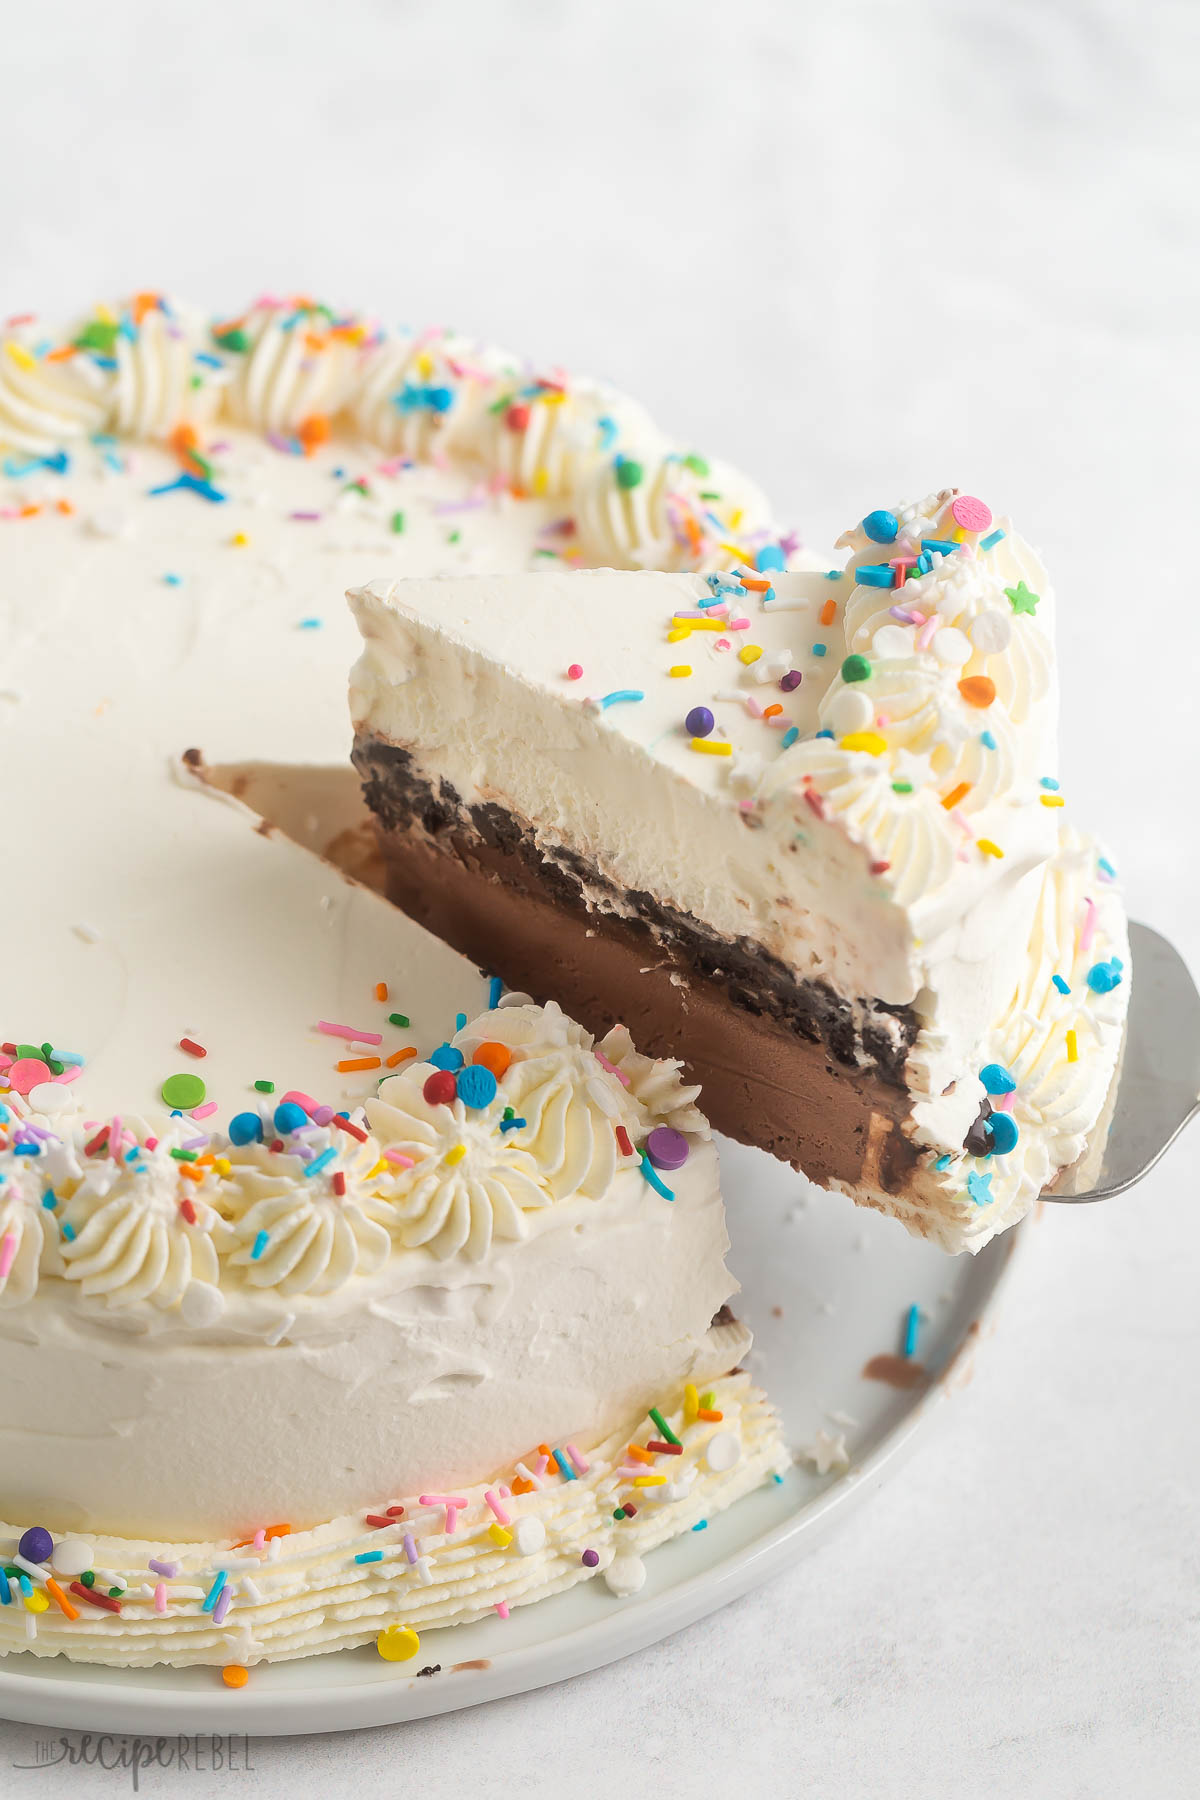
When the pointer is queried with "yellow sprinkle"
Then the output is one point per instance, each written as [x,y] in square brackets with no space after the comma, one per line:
[649,1481]
[1053,800]
[700,624]
[712,747]
[106,314]
[988,848]
[735,518]
[691,1404]
[456,1153]
[499,1536]
[398,1643]
[551,397]
[680,669]
[708,1401]
[1072,1047]
[541,481]
[678,634]
[380,1166]
[742,556]
[425,365]
[36,1602]
[958,534]
[239,540]
[221,1165]
[864,740]
[749,653]
[21,356]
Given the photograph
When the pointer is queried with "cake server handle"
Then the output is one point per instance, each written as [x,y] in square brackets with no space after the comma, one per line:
[1157,1091]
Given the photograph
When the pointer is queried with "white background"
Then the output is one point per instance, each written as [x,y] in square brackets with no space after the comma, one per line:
[865,251]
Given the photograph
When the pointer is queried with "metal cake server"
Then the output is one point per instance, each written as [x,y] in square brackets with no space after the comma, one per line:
[1158,1085]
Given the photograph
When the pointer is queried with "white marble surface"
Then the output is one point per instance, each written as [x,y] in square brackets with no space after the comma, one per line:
[865,249]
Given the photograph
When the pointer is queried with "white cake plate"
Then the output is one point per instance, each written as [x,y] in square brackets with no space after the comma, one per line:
[826,1288]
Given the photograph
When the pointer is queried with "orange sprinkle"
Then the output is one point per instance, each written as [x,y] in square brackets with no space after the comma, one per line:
[770,711]
[381,990]
[234,1675]
[829,612]
[183,439]
[64,506]
[143,304]
[977,690]
[493,1056]
[61,355]
[313,431]
[399,1056]
[755,586]
[358,1062]
[951,800]
[191,1174]
[709,1416]
[521,1486]
[56,1593]
[638,1454]
[30,512]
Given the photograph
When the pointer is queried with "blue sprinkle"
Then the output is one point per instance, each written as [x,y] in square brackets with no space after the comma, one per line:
[608,430]
[318,1163]
[68,1232]
[260,1244]
[979,1187]
[700,1525]
[1060,984]
[26,1150]
[991,540]
[460,1021]
[214,1592]
[778,1480]
[939,544]
[476,1086]
[245,1128]
[447,1057]
[1005,1134]
[25,1584]
[924,563]
[818,649]
[881,526]
[1103,864]
[878,575]
[512,1124]
[210,362]
[5,1115]
[824,734]
[987,740]
[770,557]
[790,736]
[911,1328]
[997,1079]
[833,574]
[495,990]
[366,1556]
[658,1186]
[768,596]
[104,362]
[1048,781]
[289,1117]
[5,1596]
[310,624]
[173,580]
[564,1465]
[942,1163]
[189,484]
[619,694]
[50,1199]
[1103,977]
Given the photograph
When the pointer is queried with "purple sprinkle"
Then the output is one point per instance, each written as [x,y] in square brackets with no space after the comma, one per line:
[224,1600]
[306,515]
[902,613]
[791,680]
[667,1148]
[168,1570]
[322,1115]
[410,1548]
[590,1558]
[195,1143]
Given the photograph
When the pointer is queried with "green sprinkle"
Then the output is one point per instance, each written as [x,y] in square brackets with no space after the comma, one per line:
[902,787]
[88,1578]
[397,522]
[855,668]
[232,340]
[184,1155]
[115,1593]
[400,1019]
[696,464]
[183,1091]
[100,334]
[664,1429]
[453,537]
[265,1087]
[630,474]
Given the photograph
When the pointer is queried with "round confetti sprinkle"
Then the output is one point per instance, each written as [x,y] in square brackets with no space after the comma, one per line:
[201,1303]
[398,1643]
[517,418]
[997,1079]
[575,672]
[36,1602]
[441,1088]
[667,1148]
[881,527]
[50,1097]
[952,646]
[529,1534]
[1103,977]
[476,1086]
[71,1557]
[183,1091]
[245,1128]
[770,557]
[493,1056]
[447,1057]
[27,1073]
[1004,1132]
[970,514]
[629,473]
[699,722]
[855,668]
[36,1544]
[892,640]
[722,1452]
[977,690]
[289,1117]
[851,710]
[234,1675]
[991,632]
[590,1559]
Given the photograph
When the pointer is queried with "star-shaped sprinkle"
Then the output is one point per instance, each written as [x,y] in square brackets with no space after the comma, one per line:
[980,1188]
[828,1451]
[1023,601]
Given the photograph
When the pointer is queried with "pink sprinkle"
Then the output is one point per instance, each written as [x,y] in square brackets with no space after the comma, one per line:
[575,672]
[260,1539]
[202,1112]
[115,1134]
[581,1462]
[722,644]
[961,822]
[1088,930]
[925,635]
[745,806]
[753,707]
[453,1504]
[160,1596]
[72,1072]
[8,1251]
[306,515]
[611,1067]
[152,1143]
[1002,1103]
[349,1032]
[540,1465]
[502,1608]
[918,618]
[392,1155]
[739,624]
[496,1507]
